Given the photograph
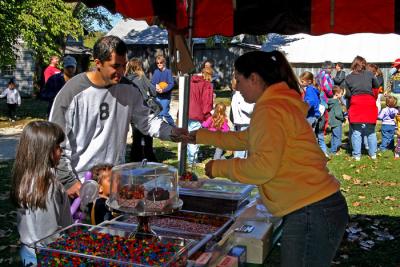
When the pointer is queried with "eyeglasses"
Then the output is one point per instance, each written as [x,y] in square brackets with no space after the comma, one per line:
[160,63]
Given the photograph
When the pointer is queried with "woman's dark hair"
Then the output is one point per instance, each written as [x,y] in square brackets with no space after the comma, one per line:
[11,81]
[271,66]
[106,45]
[340,64]
[359,64]
[33,170]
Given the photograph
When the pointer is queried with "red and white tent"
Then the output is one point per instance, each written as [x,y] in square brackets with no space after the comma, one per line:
[232,17]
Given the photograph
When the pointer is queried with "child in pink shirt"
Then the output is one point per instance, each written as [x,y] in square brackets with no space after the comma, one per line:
[217,122]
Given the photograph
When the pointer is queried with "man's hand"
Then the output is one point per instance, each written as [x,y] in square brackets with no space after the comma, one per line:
[179,135]
[73,191]
[209,169]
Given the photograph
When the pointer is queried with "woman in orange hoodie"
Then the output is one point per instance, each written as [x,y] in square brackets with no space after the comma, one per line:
[284,161]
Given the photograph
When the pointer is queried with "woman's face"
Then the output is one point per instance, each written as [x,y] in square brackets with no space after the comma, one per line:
[251,88]
[160,64]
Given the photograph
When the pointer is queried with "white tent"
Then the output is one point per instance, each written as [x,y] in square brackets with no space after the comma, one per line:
[125,26]
[376,48]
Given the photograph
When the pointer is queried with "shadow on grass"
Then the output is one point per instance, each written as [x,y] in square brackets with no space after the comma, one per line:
[30,109]
[362,229]
[366,227]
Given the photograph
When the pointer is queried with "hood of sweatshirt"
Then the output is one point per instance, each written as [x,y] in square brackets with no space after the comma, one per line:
[197,79]
[331,102]
[282,93]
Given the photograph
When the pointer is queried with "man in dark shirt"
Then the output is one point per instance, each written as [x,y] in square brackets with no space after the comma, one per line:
[57,81]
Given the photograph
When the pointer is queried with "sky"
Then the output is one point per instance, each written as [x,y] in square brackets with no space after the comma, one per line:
[114,18]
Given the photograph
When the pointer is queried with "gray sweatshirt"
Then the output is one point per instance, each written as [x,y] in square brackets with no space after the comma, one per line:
[34,225]
[96,123]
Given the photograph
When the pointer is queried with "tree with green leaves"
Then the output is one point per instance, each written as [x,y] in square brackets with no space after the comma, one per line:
[43,25]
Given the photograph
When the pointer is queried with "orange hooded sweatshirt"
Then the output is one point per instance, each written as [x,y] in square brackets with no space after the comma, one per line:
[284,159]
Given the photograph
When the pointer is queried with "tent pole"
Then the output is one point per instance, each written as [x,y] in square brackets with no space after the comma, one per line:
[184,93]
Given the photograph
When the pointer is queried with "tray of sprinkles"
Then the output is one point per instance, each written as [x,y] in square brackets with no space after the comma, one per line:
[87,245]
[186,221]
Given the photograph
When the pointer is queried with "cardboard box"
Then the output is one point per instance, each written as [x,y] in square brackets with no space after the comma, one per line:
[256,242]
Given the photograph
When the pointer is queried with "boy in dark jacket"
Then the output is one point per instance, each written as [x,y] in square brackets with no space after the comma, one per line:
[336,118]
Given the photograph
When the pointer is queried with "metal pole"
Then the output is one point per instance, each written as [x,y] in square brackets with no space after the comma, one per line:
[184,98]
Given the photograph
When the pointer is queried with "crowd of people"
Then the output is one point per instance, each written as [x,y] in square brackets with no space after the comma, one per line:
[354,98]
[278,138]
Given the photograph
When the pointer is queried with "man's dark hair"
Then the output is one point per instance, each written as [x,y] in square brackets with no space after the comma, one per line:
[106,45]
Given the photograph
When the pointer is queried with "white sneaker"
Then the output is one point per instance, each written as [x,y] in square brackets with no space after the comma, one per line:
[357,158]
[373,157]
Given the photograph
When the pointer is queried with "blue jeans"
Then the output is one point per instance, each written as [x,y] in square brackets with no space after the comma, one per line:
[240,154]
[193,149]
[218,154]
[387,136]
[312,234]
[312,121]
[321,140]
[28,256]
[359,130]
[336,139]
[164,114]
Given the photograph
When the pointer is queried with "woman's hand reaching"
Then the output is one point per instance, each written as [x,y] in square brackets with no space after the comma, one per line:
[208,169]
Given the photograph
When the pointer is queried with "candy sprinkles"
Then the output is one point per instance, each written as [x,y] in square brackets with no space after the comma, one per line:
[133,252]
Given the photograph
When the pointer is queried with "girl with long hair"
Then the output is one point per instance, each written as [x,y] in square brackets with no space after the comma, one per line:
[217,122]
[42,203]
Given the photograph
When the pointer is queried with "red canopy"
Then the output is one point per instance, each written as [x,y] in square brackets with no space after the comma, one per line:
[232,17]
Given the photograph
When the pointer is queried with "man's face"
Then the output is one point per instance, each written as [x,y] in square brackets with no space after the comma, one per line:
[55,61]
[113,69]
[69,71]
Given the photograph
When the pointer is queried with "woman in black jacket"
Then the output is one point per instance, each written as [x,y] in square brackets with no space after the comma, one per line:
[142,145]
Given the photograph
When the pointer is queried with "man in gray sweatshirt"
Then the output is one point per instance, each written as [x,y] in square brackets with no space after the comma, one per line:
[95,109]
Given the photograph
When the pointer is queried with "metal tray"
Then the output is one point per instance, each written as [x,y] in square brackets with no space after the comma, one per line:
[46,253]
[199,241]
[217,222]
[219,189]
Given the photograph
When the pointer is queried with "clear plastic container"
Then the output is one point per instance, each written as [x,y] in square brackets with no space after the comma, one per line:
[86,245]
[144,189]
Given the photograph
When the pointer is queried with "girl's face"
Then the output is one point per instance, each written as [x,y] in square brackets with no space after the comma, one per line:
[305,82]
[251,88]
[57,154]
[106,183]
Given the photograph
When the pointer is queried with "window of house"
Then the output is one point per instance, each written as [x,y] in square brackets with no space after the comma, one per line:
[8,70]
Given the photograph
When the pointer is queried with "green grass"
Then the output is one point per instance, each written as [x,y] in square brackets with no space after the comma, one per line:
[372,190]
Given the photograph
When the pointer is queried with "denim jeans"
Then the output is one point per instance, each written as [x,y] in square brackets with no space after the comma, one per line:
[28,256]
[164,114]
[193,149]
[240,154]
[336,139]
[312,234]
[359,130]
[387,136]
[321,140]
[312,121]
[219,153]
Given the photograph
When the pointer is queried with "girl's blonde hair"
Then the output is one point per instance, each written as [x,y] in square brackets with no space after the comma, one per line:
[98,172]
[391,101]
[207,73]
[219,115]
[134,65]
[33,171]
[308,76]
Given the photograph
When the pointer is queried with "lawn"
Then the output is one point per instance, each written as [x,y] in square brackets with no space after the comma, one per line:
[372,190]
